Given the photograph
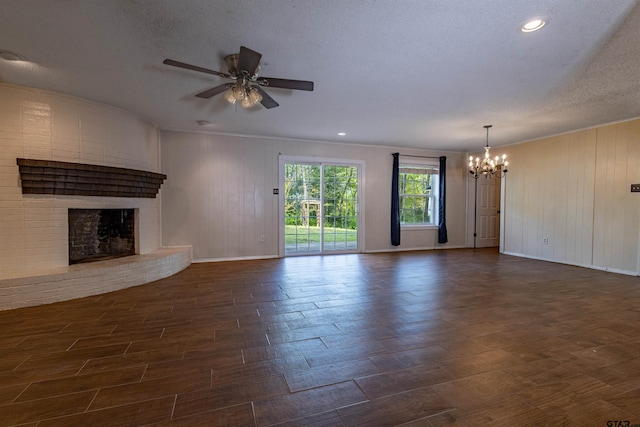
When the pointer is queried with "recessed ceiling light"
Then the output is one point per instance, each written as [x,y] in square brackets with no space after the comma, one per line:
[533,25]
[341,134]
[11,56]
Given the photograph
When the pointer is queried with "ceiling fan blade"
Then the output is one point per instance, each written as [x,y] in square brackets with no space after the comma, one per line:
[248,60]
[288,84]
[267,101]
[194,68]
[213,91]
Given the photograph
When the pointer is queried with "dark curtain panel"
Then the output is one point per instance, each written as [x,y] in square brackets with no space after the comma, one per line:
[442,202]
[395,201]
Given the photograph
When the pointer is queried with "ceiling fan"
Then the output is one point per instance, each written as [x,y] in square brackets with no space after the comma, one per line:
[247,88]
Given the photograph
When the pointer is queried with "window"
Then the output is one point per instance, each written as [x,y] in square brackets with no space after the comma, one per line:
[418,194]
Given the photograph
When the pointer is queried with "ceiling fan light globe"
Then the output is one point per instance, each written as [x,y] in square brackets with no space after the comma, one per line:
[254,96]
[230,96]
[240,92]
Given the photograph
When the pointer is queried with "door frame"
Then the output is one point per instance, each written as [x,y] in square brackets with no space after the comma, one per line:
[471,199]
[495,184]
[282,159]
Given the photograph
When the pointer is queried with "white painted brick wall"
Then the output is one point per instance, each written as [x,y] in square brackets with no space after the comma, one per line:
[81,280]
[43,125]
[33,229]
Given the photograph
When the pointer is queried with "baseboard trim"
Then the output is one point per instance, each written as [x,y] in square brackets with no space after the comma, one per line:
[437,248]
[246,258]
[590,266]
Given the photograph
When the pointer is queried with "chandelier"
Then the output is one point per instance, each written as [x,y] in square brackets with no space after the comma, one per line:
[487,166]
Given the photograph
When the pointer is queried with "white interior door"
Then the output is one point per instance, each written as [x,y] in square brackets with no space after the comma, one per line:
[488,214]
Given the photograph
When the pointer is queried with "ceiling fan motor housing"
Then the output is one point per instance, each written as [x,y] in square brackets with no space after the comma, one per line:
[232,64]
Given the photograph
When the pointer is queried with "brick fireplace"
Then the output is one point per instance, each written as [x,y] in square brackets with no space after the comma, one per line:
[101,234]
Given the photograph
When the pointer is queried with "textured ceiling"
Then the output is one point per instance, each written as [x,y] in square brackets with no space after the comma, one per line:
[412,73]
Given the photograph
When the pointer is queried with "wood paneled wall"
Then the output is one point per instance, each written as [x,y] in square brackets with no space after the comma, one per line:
[574,191]
[219,197]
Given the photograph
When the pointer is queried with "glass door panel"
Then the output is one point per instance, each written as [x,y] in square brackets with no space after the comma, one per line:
[340,191]
[320,208]
[302,213]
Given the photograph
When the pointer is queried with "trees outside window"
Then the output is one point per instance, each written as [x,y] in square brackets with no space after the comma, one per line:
[418,188]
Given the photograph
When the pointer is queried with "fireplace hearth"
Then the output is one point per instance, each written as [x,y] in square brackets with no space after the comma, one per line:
[101,234]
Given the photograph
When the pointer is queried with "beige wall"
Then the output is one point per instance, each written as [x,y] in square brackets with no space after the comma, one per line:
[574,190]
[219,194]
[42,125]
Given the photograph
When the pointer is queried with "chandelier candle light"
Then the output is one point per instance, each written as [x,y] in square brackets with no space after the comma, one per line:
[488,166]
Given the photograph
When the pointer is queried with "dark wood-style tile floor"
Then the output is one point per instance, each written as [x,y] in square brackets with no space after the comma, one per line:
[455,337]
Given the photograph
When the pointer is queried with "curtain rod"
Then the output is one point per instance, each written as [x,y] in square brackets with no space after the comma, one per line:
[424,157]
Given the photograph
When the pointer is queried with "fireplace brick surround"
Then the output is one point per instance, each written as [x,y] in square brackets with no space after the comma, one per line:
[80,137]
[82,280]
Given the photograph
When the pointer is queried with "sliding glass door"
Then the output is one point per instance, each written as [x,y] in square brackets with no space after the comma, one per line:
[320,206]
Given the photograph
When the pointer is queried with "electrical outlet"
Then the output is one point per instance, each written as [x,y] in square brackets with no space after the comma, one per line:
[262,238]
[545,240]
[635,188]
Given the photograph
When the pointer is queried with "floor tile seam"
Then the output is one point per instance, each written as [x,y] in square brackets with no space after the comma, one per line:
[427,417]
[82,367]
[167,376]
[370,400]
[129,403]
[475,374]
[405,390]
[21,340]
[319,368]
[566,379]
[173,407]
[53,397]
[299,419]
[17,367]
[474,410]
[110,368]
[90,411]
[545,406]
[622,393]
[97,388]
[270,340]
[14,401]
[144,372]
[403,369]
[110,344]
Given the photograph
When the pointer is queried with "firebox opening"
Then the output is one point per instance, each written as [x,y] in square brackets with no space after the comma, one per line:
[100,234]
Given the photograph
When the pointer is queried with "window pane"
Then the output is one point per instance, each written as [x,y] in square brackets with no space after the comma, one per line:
[418,190]
[415,183]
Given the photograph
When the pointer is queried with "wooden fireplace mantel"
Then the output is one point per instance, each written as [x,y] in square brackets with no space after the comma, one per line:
[78,179]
